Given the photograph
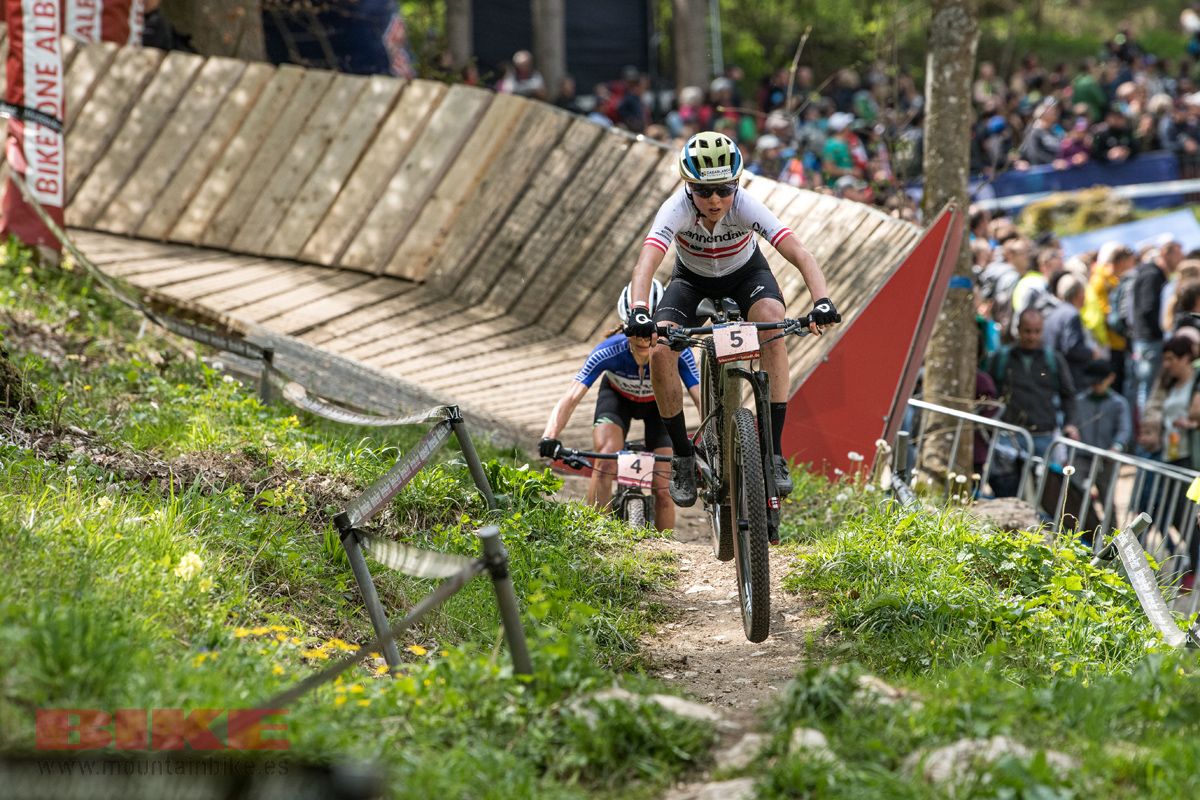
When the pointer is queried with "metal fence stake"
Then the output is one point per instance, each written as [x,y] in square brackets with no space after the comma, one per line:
[458,424]
[496,560]
[264,380]
[366,586]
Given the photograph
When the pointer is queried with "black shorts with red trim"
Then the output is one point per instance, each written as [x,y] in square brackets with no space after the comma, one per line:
[616,408]
[750,283]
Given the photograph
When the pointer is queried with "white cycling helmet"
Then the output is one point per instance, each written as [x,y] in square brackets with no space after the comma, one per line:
[656,293]
[710,157]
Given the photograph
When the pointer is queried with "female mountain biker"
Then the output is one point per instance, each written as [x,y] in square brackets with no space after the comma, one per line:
[625,394]
[712,225]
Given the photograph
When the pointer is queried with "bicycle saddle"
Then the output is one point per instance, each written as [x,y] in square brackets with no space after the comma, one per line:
[729,310]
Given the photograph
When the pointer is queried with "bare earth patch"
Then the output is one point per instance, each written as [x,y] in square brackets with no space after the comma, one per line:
[702,648]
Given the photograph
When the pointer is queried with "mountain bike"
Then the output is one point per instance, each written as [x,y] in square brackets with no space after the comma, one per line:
[735,456]
[635,471]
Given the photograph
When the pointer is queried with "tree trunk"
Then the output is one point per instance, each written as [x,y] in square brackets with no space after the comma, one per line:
[459,31]
[950,360]
[550,43]
[690,24]
[221,27]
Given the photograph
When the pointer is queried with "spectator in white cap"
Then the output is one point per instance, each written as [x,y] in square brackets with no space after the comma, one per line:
[836,158]
[851,187]
[768,156]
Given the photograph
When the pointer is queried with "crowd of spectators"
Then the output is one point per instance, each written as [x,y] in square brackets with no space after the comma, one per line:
[1100,347]
[859,133]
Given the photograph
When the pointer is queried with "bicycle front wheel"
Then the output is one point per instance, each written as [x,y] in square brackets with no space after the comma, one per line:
[635,510]
[748,496]
[720,514]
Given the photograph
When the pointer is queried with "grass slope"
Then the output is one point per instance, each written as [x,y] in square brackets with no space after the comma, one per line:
[168,544]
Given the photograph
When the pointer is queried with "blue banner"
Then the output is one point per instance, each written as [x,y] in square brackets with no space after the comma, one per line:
[1180,224]
[1153,167]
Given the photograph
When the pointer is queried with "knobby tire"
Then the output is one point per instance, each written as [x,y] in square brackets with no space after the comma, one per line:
[720,513]
[748,495]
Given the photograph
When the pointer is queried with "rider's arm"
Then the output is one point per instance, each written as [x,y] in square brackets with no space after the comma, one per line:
[671,217]
[791,249]
[563,410]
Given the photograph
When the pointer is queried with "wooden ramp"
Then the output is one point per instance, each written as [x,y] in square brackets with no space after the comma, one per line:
[470,243]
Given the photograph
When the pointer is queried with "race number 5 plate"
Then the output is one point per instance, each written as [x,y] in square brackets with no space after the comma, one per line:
[735,341]
[635,469]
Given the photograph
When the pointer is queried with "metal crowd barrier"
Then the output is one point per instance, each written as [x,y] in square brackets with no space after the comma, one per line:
[1003,439]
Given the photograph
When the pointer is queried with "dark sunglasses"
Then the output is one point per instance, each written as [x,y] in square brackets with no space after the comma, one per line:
[721,190]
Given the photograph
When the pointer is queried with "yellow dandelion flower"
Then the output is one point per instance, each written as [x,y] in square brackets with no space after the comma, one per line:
[356,689]
[318,654]
[443,653]
[241,633]
[427,683]
[417,650]
[278,629]
[339,701]
[338,644]
[375,655]
[259,631]
[364,703]
[296,640]
[279,637]
[382,669]
[277,670]
[87,387]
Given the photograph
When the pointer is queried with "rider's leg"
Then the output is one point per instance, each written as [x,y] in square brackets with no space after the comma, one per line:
[668,393]
[774,361]
[664,508]
[607,437]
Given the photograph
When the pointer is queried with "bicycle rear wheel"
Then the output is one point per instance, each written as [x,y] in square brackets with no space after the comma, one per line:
[720,513]
[748,496]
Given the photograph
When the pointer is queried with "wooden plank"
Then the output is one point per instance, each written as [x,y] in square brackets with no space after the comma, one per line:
[438,216]
[211,144]
[301,320]
[70,49]
[85,73]
[144,189]
[557,171]
[238,271]
[333,333]
[136,136]
[308,149]
[332,282]
[268,158]
[327,179]
[571,261]
[213,264]
[582,314]
[434,150]
[127,267]
[287,277]
[537,257]
[104,114]
[483,212]
[234,153]
[369,179]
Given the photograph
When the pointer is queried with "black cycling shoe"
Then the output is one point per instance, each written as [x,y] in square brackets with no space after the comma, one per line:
[783,478]
[683,480]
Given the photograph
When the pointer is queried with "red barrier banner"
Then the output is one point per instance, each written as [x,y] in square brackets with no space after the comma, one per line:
[35,81]
[122,21]
[83,20]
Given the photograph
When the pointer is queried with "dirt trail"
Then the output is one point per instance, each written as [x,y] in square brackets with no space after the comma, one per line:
[703,648]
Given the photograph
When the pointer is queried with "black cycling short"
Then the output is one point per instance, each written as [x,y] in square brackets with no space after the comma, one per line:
[749,284]
[614,407]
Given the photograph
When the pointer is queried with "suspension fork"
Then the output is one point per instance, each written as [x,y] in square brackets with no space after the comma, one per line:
[760,384]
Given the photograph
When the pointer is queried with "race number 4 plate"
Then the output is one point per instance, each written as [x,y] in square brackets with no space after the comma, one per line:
[635,469]
[735,341]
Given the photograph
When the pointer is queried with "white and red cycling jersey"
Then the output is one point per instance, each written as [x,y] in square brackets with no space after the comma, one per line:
[730,243]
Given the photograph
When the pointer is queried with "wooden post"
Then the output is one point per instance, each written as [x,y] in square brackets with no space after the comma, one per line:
[550,43]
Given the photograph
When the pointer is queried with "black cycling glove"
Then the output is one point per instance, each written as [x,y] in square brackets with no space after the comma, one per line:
[824,313]
[548,448]
[640,323]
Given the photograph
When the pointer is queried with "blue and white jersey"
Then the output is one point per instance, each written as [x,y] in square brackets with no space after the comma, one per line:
[612,356]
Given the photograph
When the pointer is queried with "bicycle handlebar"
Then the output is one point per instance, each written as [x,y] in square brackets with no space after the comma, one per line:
[567,453]
[677,336]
